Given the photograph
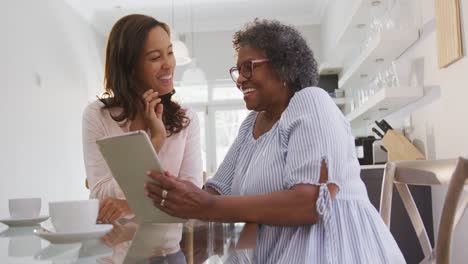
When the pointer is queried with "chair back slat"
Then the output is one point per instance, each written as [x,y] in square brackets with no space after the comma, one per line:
[415,218]
[451,172]
[449,211]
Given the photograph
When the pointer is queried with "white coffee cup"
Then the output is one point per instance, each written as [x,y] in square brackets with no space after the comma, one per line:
[24,207]
[74,216]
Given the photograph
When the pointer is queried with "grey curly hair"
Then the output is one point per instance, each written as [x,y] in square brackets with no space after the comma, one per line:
[290,56]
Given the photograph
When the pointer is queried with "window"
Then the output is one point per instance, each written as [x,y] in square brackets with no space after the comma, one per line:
[221,110]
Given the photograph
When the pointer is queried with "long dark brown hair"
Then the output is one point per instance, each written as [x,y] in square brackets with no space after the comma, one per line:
[125,44]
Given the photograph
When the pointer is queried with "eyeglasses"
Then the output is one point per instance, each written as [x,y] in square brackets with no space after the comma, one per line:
[245,69]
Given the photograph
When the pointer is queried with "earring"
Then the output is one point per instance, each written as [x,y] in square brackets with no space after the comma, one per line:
[284,84]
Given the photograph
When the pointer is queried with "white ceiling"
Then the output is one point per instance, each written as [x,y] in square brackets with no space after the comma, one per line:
[206,15]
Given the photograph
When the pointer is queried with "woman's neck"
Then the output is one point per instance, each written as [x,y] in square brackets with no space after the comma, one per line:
[138,123]
[274,113]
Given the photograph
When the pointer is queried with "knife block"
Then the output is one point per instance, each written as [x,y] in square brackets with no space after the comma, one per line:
[399,147]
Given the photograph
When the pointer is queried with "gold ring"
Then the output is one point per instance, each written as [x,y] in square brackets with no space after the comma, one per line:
[162,202]
[164,194]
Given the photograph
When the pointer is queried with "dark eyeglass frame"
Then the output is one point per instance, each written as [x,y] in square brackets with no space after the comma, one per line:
[246,74]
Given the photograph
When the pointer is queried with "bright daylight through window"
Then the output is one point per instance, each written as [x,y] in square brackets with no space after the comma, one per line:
[220,110]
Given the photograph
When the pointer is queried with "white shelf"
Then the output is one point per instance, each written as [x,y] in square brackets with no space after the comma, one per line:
[360,15]
[330,68]
[372,167]
[339,101]
[384,102]
[386,46]
[352,31]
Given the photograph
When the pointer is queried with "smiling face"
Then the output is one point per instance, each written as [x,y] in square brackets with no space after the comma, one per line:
[155,66]
[263,91]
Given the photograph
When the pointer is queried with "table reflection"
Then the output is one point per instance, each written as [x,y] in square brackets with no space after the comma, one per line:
[21,241]
[200,241]
[128,242]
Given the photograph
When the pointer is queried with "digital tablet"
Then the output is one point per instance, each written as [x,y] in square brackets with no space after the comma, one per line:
[129,156]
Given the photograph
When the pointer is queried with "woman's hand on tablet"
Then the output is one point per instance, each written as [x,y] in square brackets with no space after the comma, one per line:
[111,209]
[153,118]
[177,197]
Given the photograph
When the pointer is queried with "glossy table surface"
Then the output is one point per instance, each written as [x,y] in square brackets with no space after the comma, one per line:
[127,242]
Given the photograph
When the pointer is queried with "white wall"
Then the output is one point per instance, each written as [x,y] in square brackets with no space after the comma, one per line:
[49,66]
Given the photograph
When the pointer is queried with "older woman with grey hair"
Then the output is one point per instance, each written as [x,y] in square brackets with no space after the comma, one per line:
[292,170]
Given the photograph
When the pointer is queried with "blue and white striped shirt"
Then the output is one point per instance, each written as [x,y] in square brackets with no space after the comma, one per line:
[311,129]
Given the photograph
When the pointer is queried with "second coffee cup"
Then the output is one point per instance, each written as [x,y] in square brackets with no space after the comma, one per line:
[74,216]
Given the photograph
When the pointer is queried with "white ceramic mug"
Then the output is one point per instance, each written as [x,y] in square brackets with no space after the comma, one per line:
[24,207]
[74,216]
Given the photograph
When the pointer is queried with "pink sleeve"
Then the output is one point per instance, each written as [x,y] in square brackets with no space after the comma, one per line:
[191,167]
[100,181]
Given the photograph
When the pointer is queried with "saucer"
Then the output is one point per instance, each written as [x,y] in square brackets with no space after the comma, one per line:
[73,237]
[13,222]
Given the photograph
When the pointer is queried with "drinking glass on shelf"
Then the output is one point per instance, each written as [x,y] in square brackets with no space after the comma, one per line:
[375,27]
[363,93]
[356,99]
[372,87]
[395,82]
[380,82]
[393,75]
[351,104]
[388,78]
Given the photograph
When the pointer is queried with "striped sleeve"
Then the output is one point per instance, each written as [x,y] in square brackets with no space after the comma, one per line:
[312,130]
[315,130]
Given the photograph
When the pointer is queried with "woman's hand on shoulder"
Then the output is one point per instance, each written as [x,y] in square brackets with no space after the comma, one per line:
[178,197]
[153,118]
[111,209]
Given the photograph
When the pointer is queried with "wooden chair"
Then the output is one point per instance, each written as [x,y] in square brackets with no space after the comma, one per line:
[452,173]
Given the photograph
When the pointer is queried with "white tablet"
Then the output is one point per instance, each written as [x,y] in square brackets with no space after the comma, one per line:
[129,156]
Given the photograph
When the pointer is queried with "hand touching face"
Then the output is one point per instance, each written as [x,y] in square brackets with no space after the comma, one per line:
[153,114]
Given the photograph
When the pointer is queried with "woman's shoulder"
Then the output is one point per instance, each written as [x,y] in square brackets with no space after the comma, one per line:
[93,108]
[96,112]
[309,98]
[189,112]
[309,102]
[310,105]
